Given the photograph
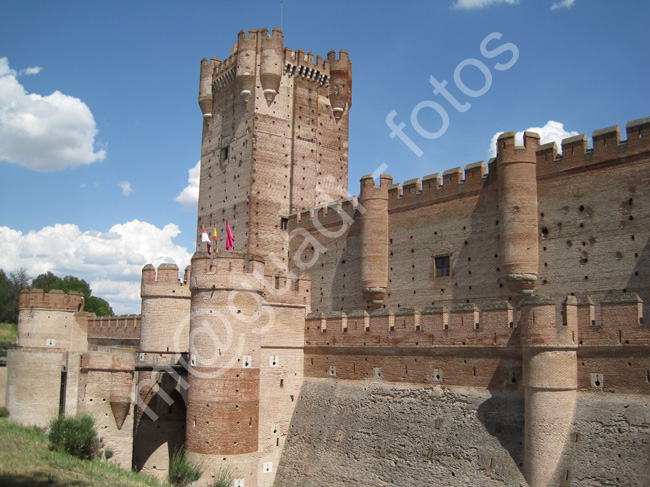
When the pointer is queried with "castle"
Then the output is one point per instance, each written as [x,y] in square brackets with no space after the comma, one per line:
[483,327]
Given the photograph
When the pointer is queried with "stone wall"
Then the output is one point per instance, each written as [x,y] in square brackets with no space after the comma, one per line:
[377,433]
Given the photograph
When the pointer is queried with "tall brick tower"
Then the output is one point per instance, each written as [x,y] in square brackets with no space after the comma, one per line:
[275,139]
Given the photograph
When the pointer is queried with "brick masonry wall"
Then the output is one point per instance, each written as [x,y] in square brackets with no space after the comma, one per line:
[434,346]
[33,398]
[58,329]
[591,213]
[282,156]
[106,379]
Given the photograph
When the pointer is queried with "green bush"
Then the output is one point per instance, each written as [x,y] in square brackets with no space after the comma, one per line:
[183,471]
[108,453]
[76,436]
[4,412]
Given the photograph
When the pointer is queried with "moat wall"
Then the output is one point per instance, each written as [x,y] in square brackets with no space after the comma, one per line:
[379,433]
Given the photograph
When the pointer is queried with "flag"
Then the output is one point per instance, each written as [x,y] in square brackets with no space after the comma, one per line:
[214,237]
[205,238]
[230,238]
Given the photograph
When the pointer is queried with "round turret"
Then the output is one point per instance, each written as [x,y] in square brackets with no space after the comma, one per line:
[340,86]
[374,239]
[271,63]
[52,320]
[205,85]
[225,347]
[550,381]
[246,55]
[165,310]
[517,175]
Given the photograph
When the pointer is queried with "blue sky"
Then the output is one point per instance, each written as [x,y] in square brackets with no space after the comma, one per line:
[100,125]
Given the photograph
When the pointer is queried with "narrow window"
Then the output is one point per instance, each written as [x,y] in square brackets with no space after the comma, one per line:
[284,223]
[442,266]
[224,153]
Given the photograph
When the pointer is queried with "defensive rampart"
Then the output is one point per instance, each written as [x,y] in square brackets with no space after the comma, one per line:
[470,346]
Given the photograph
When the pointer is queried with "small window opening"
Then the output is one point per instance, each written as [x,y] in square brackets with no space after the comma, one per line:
[224,153]
[442,266]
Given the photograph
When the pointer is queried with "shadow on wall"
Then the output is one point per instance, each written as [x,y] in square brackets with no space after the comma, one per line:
[503,414]
[167,431]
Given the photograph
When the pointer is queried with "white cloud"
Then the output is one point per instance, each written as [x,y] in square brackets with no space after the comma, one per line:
[189,197]
[551,132]
[111,262]
[43,133]
[472,4]
[562,4]
[126,188]
[31,70]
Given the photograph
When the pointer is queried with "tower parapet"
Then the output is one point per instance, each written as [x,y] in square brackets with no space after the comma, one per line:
[53,320]
[55,299]
[165,309]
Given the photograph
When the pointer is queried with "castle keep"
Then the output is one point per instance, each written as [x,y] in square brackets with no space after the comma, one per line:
[486,326]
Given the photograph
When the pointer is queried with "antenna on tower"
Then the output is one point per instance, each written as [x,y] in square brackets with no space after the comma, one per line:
[281,2]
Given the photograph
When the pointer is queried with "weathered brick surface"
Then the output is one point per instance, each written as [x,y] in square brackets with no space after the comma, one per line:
[106,386]
[33,385]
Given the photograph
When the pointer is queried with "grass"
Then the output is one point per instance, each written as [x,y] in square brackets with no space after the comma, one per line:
[25,460]
[8,333]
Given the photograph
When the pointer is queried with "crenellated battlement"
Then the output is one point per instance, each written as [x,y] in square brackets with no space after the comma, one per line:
[280,289]
[331,214]
[227,262]
[435,187]
[55,299]
[618,320]
[509,152]
[607,146]
[124,326]
[164,281]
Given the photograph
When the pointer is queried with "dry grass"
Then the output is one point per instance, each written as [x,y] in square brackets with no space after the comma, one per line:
[25,460]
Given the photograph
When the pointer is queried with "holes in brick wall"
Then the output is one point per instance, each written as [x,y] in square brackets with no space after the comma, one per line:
[544,232]
[569,243]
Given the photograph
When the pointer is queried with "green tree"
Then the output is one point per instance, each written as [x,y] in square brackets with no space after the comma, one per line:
[7,298]
[99,306]
[46,282]
[92,304]
[10,287]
